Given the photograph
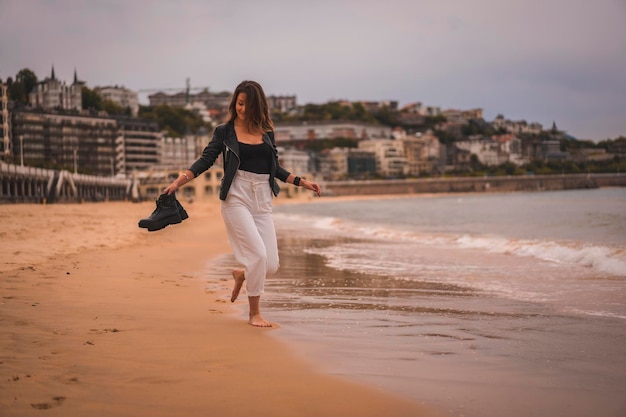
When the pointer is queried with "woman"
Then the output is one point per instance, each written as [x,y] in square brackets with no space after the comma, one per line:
[251,166]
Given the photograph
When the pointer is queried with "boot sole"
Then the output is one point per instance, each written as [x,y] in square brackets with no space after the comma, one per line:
[152,227]
[181,211]
[145,223]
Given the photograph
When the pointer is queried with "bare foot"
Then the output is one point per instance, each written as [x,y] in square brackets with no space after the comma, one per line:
[239,277]
[259,321]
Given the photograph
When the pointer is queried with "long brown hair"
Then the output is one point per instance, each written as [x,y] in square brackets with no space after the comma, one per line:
[257,110]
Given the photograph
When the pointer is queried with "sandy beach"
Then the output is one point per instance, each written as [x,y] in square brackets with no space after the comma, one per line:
[101,318]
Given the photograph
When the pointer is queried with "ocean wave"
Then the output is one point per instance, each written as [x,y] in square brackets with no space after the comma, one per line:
[598,313]
[610,260]
[600,258]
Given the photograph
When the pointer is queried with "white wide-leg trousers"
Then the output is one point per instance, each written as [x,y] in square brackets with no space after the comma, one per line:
[247,213]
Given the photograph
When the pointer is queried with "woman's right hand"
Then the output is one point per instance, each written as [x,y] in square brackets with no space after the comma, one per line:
[183,178]
[170,189]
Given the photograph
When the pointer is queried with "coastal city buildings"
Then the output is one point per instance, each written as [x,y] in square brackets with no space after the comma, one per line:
[99,145]
[181,99]
[48,128]
[487,150]
[54,131]
[65,141]
[516,127]
[214,103]
[305,131]
[390,157]
[343,163]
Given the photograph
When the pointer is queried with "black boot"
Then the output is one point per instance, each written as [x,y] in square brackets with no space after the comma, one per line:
[181,211]
[166,213]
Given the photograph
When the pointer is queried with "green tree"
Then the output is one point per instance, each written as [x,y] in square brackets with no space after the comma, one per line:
[430,122]
[20,88]
[175,120]
[444,136]
[112,107]
[568,144]
[91,99]
[16,92]
[475,163]
[329,111]
[27,78]
[313,112]
[477,127]
[386,116]
[360,113]
[612,144]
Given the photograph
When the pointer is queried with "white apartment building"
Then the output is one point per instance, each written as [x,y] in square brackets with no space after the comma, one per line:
[302,131]
[333,164]
[512,146]
[281,103]
[418,108]
[390,158]
[294,160]
[470,114]
[494,151]
[52,93]
[138,144]
[422,153]
[178,153]
[517,127]
[298,162]
[454,117]
[120,95]
[219,101]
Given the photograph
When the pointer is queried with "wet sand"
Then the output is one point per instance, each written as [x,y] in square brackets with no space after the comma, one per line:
[465,351]
[101,318]
[461,346]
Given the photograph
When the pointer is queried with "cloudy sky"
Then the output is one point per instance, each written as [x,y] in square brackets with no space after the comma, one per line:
[538,60]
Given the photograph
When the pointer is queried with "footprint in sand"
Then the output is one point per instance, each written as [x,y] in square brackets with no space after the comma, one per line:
[56,401]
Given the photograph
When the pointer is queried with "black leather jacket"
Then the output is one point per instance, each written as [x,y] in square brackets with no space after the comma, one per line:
[224,141]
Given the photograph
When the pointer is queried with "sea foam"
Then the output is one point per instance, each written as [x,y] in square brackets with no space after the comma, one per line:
[610,260]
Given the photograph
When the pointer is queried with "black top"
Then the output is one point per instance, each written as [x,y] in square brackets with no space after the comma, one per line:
[224,142]
[255,158]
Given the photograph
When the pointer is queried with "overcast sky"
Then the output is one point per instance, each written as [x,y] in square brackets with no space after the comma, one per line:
[538,60]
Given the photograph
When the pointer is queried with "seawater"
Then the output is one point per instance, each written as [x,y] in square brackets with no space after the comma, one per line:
[481,304]
[576,242]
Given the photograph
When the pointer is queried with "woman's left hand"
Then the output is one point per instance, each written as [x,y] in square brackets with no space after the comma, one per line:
[313,186]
